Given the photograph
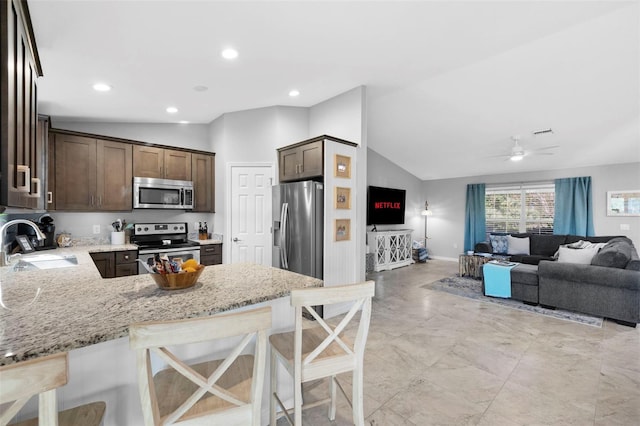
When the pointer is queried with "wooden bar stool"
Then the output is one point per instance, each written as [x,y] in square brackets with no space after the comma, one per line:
[313,353]
[225,392]
[41,376]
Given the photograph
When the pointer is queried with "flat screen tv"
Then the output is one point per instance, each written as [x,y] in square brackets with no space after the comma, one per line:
[385,206]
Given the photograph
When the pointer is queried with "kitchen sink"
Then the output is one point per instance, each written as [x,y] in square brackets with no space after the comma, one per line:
[45,261]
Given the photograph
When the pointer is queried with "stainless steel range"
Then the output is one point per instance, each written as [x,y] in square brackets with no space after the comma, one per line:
[163,238]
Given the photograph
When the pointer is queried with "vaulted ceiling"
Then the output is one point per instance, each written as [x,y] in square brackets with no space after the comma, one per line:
[448,82]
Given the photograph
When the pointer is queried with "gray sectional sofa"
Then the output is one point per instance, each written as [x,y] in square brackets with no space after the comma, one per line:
[609,286]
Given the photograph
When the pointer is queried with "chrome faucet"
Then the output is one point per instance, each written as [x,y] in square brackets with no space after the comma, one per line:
[5,257]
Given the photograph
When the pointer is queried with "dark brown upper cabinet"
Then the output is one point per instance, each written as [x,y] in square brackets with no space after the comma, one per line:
[203,176]
[301,161]
[92,174]
[21,158]
[154,162]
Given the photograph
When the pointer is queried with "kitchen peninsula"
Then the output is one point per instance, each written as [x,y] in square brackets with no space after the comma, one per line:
[79,312]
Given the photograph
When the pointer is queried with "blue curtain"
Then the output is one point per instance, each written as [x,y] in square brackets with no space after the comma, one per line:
[573,207]
[474,223]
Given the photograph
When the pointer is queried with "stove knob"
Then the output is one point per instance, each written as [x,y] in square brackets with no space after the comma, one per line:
[175,228]
[146,229]
[181,227]
[138,229]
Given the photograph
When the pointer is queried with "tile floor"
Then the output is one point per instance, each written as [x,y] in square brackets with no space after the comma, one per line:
[437,359]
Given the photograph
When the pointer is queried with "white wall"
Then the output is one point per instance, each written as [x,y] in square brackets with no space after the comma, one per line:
[340,257]
[252,136]
[340,116]
[191,136]
[447,200]
[345,117]
[382,172]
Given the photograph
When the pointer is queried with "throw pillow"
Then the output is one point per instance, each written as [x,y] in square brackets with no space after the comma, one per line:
[572,255]
[580,244]
[499,243]
[517,245]
[614,255]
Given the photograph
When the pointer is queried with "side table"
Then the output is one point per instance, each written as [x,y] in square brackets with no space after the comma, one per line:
[471,265]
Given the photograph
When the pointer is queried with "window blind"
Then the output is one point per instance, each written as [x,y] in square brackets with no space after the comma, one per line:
[520,208]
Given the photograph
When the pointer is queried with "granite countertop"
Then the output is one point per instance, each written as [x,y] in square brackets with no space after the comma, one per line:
[108,247]
[205,242]
[76,307]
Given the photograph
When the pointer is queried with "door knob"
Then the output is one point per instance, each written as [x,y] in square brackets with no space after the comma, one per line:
[235,239]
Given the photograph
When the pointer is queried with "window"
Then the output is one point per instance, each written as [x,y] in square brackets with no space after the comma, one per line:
[520,208]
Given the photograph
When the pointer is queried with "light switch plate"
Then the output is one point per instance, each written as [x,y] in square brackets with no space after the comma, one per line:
[625,227]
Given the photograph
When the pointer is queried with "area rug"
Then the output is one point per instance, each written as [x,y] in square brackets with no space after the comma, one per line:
[472,288]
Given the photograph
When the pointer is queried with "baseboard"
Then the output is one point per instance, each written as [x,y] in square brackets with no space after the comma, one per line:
[448,259]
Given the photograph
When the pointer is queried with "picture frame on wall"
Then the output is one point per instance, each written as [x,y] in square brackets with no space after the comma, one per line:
[342,198]
[623,203]
[342,166]
[343,229]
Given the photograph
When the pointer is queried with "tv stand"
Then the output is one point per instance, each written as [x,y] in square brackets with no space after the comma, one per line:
[391,249]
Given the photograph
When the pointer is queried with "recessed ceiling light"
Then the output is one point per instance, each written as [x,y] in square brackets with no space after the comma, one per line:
[294,93]
[172,110]
[183,122]
[229,53]
[200,88]
[101,87]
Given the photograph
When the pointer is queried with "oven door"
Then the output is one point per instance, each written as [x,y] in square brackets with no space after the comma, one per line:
[184,253]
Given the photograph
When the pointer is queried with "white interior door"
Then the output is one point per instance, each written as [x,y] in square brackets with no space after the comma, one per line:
[251,214]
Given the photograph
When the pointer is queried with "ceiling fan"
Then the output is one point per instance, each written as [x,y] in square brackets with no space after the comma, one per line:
[518,152]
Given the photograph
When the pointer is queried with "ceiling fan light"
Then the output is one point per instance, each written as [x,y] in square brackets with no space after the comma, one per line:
[516,157]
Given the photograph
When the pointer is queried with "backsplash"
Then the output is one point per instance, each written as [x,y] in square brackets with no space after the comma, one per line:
[80,226]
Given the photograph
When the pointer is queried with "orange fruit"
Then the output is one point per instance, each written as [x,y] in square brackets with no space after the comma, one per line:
[191,263]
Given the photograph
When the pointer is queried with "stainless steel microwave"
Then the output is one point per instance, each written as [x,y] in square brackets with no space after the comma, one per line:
[153,193]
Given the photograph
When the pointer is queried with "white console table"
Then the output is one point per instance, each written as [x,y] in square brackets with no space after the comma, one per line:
[391,249]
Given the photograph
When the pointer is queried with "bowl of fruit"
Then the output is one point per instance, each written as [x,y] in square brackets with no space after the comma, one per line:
[172,275]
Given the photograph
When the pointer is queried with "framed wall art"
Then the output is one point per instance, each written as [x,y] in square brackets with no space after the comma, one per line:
[343,198]
[342,166]
[623,203]
[343,230]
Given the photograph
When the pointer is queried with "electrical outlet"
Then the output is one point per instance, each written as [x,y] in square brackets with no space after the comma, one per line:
[455,245]
[96,229]
[625,227]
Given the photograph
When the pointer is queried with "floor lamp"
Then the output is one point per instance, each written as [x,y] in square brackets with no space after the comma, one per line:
[426,212]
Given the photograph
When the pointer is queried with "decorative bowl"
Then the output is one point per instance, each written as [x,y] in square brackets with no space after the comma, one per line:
[177,281]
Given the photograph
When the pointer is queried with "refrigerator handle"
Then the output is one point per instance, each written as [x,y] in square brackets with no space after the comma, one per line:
[284,221]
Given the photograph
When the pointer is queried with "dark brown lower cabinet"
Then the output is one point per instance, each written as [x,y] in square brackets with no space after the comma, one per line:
[105,262]
[211,254]
[113,264]
[126,263]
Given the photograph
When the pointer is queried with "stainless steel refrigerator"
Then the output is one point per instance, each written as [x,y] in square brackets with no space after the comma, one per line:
[298,227]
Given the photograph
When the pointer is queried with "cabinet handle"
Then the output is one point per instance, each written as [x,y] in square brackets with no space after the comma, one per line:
[91,201]
[38,185]
[99,200]
[49,197]
[27,178]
